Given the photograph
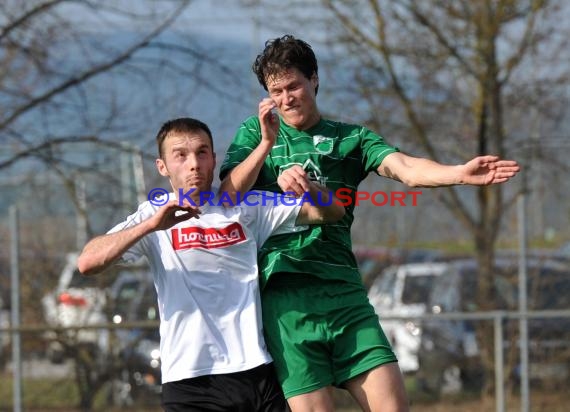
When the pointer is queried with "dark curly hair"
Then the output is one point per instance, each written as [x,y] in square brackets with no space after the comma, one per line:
[284,53]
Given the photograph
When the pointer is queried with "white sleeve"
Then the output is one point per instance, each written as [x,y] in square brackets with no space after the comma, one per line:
[272,214]
[136,251]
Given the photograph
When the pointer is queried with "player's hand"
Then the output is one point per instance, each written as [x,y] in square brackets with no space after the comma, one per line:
[487,170]
[269,120]
[294,180]
[173,213]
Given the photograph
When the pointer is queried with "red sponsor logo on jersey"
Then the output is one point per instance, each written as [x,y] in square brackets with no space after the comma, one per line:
[207,238]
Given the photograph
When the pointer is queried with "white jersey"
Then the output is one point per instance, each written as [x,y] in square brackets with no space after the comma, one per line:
[206,278]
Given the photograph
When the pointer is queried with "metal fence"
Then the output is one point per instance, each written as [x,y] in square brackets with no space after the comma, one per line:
[559,352]
[103,381]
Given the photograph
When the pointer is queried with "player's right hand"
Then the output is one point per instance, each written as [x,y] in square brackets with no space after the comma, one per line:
[269,120]
[173,213]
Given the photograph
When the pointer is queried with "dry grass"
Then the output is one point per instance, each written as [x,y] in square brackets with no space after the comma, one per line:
[45,396]
[543,400]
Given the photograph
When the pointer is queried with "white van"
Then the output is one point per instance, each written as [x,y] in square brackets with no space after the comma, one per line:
[404,290]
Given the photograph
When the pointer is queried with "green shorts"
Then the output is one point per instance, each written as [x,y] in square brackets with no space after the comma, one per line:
[320,332]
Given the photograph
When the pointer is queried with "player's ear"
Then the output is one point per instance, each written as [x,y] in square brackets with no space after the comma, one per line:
[315,82]
[161,167]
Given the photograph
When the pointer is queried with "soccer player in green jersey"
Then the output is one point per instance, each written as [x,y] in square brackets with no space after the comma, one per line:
[319,326]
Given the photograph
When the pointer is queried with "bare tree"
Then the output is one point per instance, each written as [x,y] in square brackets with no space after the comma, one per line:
[82,83]
[453,79]
[85,76]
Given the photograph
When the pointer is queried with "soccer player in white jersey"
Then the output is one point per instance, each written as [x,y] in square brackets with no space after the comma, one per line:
[204,262]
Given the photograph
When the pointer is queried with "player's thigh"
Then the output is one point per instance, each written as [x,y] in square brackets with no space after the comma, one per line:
[320,400]
[380,389]
[296,336]
[360,344]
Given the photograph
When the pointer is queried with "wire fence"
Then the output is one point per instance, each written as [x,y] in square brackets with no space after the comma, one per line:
[124,371]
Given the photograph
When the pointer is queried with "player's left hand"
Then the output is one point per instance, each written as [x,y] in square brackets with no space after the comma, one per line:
[487,170]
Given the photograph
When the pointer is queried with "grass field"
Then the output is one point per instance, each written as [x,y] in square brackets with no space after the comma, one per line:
[61,395]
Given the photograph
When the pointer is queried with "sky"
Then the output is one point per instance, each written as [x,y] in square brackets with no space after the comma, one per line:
[222,21]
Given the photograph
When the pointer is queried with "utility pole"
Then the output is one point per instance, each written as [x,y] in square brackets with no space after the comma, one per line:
[15,307]
[81,222]
[125,177]
[138,172]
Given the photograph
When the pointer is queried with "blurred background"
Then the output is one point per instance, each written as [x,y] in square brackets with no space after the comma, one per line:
[471,284]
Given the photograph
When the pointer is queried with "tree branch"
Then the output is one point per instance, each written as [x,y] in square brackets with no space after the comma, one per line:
[5,31]
[74,81]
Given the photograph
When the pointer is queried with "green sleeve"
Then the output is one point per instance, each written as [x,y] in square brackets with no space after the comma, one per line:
[374,149]
[246,139]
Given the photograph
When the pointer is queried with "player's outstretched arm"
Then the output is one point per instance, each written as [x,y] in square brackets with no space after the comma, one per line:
[420,172]
[104,250]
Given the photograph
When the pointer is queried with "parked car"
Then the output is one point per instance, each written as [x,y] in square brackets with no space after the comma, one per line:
[77,300]
[403,290]
[449,355]
[372,260]
[563,252]
[132,298]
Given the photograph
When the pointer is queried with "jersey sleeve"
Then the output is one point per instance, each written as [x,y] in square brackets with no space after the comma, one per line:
[136,251]
[272,213]
[374,149]
[247,138]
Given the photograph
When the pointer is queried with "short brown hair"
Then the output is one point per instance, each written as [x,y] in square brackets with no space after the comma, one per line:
[181,125]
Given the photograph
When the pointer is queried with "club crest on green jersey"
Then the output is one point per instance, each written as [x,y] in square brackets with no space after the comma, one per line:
[323,145]
[314,172]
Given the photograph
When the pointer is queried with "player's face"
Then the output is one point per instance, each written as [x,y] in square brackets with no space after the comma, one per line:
[295,98]
[188,161]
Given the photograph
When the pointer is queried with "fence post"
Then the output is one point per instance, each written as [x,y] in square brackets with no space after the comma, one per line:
[523,304]
[15,308]
[499,363]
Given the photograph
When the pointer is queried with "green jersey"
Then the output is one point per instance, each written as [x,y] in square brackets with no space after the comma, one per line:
[338,156]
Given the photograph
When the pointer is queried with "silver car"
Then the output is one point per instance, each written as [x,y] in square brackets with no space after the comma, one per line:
[404,290]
